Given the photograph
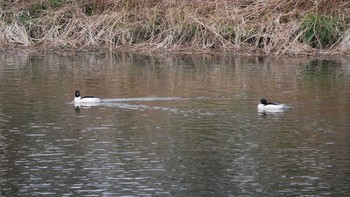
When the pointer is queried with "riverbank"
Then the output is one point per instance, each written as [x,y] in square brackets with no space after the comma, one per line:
[272,27]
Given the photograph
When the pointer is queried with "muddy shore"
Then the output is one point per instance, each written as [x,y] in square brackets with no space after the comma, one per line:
[212,26]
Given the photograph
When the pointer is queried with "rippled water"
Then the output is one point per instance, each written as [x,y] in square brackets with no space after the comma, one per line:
[173,126]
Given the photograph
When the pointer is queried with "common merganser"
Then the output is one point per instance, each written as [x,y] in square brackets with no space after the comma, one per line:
[85,99]
[264,105]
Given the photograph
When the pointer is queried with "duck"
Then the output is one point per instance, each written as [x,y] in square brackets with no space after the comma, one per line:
[85,99]
[264,105]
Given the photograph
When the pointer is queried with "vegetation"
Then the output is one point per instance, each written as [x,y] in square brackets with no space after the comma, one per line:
[271,27]
[320,30]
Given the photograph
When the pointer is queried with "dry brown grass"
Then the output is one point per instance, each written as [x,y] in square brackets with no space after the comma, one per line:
[262,27]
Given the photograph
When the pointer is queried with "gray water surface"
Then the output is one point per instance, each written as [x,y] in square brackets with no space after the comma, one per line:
[173,126]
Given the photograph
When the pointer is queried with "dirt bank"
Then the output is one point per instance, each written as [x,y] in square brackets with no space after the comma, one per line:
[267,27]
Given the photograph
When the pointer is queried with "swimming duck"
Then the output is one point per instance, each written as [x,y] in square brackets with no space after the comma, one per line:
[264,105]
[85,99]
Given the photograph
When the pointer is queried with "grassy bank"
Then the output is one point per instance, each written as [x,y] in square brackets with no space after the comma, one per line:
[271,27]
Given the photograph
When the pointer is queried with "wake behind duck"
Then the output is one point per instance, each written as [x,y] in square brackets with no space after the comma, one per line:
[91,101]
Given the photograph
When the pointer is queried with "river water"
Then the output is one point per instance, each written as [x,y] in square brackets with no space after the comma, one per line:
[173,125]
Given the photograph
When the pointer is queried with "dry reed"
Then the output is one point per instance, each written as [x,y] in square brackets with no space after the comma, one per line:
[272,27]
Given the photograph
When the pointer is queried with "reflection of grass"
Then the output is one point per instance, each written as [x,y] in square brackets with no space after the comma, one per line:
[323,72]
[320,30]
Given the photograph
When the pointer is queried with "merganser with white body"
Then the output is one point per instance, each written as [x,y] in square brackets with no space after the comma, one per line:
[264,105]
[85,99]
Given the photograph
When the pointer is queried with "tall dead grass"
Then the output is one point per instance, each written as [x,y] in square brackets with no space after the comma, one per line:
[271,27]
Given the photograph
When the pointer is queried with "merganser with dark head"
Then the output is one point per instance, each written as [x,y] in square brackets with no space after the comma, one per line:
[264,105]
[85,99]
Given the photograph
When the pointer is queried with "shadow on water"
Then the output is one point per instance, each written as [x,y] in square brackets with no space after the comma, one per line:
[173,125]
